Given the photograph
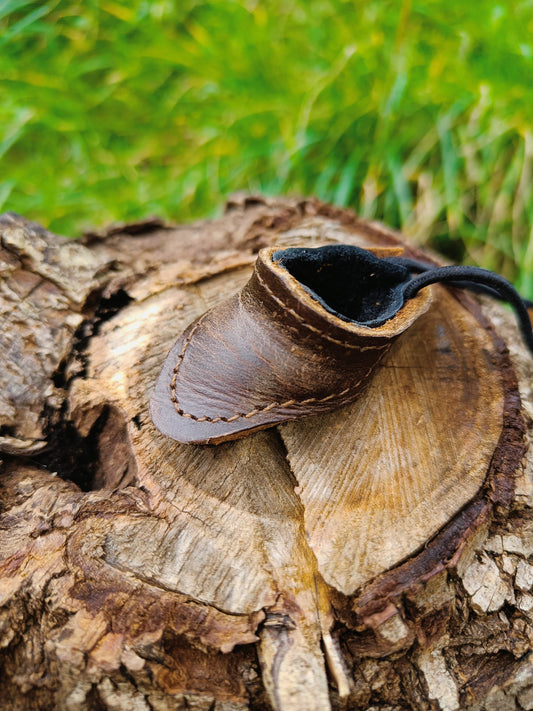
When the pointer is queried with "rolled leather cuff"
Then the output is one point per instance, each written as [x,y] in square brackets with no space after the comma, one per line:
[302,337]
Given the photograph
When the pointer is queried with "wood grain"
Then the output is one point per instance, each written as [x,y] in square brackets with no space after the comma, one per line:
[279,571]
[380,478]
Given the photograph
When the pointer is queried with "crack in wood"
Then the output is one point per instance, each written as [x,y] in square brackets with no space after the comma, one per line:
[65,611]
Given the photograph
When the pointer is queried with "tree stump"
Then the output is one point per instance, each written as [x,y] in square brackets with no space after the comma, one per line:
[376,557]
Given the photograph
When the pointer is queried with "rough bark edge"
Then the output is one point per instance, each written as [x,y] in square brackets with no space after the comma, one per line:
[489,503]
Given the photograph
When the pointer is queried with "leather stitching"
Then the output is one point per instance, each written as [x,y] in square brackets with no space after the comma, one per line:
[313,328]
[257,411]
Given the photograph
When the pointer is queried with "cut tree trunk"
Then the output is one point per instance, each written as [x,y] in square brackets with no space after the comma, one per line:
[377,557]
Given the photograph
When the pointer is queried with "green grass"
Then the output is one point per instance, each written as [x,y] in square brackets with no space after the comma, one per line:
[415,113]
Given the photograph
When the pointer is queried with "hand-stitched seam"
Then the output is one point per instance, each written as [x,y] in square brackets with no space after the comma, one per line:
[313,328]
[253,413]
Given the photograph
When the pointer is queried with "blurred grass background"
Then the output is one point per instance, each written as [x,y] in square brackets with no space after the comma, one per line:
[417,113]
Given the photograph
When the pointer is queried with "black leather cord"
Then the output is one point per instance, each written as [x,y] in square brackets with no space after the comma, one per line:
[417,266]
[466,276]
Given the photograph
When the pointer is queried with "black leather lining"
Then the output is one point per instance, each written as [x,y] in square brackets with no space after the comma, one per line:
[349,282]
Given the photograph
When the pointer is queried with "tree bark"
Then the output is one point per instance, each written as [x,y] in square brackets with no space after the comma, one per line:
[377,557]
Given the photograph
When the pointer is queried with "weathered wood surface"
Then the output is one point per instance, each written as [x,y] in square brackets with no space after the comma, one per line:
[377,557]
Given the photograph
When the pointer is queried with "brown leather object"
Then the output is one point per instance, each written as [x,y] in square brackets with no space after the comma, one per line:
[271,353]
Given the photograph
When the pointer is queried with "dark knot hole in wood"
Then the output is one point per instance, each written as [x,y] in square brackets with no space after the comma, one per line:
[100,460]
